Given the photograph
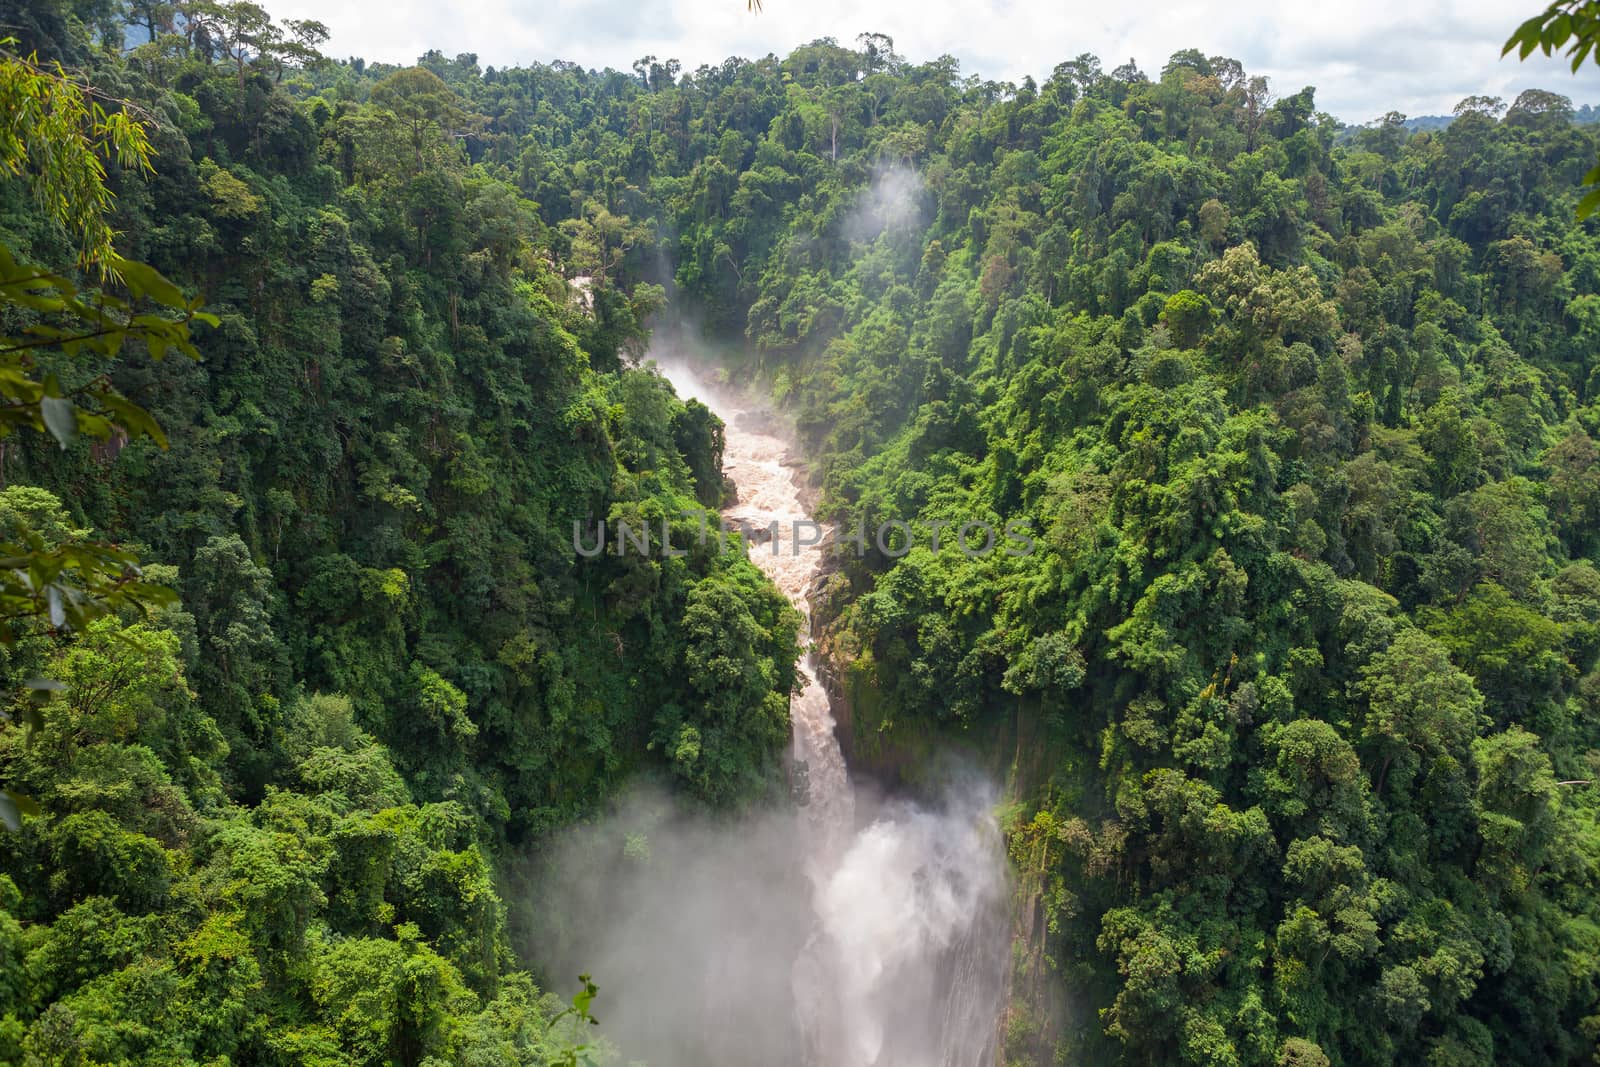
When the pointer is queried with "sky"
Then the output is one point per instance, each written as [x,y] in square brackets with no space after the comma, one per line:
[1365,57]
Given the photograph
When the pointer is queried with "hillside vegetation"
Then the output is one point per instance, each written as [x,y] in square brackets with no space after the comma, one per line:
[1304,424]
[1306,432]
[272,810]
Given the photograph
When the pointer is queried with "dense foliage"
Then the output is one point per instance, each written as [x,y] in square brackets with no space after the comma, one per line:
[1303,666]
[271,810]
[1302,671]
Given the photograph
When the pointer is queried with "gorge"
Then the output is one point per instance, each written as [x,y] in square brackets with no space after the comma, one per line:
[324,742]
[853,930]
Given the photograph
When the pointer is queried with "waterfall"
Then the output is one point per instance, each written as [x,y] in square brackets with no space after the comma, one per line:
[903,964]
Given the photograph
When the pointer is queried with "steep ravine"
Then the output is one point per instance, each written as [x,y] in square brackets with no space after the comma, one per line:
[904,962]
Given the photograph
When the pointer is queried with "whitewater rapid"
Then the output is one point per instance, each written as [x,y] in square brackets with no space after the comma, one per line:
[768,498]
[903,962]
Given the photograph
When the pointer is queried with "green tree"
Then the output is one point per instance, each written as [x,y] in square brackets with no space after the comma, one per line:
[1571,27]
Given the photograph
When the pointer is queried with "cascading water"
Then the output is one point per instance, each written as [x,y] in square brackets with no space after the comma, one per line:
[848,931]
[903,964]
[769,499]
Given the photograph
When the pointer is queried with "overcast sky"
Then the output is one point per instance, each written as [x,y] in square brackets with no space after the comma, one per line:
[1365,57]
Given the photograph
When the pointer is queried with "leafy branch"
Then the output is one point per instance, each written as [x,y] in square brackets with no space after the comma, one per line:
[1570,26]
[56,134]
[578,1055]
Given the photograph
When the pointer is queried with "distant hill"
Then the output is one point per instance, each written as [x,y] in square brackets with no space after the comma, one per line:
[1587,115]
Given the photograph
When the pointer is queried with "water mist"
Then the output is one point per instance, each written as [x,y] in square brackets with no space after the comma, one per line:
[849,931]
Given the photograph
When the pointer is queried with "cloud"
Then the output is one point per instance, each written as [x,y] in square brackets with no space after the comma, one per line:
[1365,57]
